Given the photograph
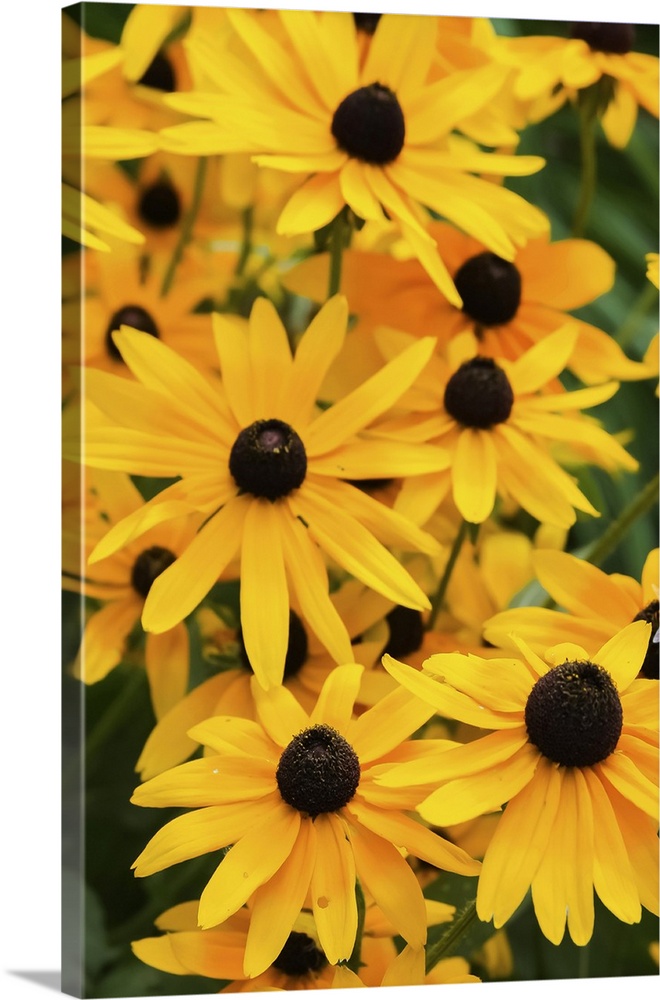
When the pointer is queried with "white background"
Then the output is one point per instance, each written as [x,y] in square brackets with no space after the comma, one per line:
[30,481]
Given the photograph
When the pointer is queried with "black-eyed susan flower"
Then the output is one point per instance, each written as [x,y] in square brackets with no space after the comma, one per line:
[509,305]
[574,753]
[293,794]
[596,606]
[499,422]
[267,469]
[122,289]
[553,70]
[85,219]
[218,952]
[122,582]
[376,137]
[306,667]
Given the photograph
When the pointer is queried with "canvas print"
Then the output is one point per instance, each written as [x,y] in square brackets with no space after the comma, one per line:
[360,499]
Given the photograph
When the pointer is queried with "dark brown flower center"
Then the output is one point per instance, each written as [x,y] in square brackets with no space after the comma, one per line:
[318,772]
[296,651]
[149,565]
[134,316]
[574,715]
[300,956]
[159,205]
[268,459]
[479,394]
[602,37]
[649,667]
[369,125]
[490,288]
[367,22]
[159,74]
[406,631]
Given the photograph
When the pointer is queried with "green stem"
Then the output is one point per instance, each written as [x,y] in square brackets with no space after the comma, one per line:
[446,945]
[116,712]
[186,228]
[439,596]
[647,297]
[588,119]
[246,249]
[355,961]
[610,538]
[339,234]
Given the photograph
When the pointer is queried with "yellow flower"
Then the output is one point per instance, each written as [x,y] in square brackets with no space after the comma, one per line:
[596,605]
[121,290]
[306,667]
[83,217]
[573,751]
[122,582]
[499,422]
[266,468]
[508,304]
[294,796]
[374,137]
[553,70]
[219,951]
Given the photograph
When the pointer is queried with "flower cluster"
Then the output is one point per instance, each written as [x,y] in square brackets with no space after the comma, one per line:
[349,472]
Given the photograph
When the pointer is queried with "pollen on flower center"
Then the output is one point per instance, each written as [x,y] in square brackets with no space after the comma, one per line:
[159,205]
[268,459]
[369,125]
[574,715]
[300,956]
[318,772]
[159,74]
[148,565]
[490,288]
[296,651]
[649,667]
[134,316]
[602,37]
[479,394]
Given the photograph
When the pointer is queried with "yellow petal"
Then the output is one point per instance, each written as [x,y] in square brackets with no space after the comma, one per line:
[252,860]
[264,591]
[333,889]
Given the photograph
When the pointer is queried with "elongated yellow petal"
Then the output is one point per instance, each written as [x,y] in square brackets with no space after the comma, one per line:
[356,549]
[264,591]
[313,206]
[167,659]
[279,713]
[352,413]
[474,474]
[309,579]
[276,904]
[197,833]
[417,839]
[316,350]
[334,706]
[253,859]
[392,883]
[333,889]
[465,798]
[387,723]
[181,587]
[613,877]
[449,702]
[527,821]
